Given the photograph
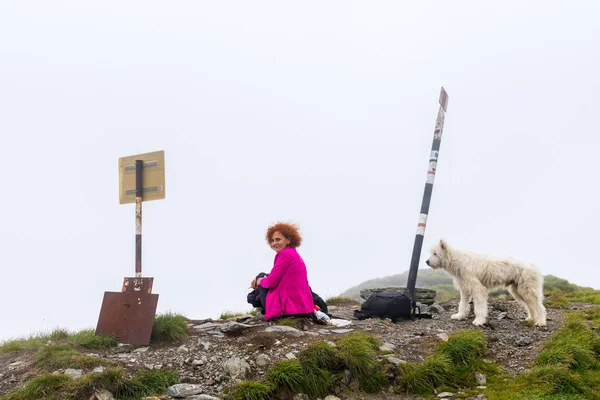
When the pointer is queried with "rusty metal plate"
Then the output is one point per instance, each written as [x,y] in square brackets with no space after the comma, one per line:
[138,285]
[128,316]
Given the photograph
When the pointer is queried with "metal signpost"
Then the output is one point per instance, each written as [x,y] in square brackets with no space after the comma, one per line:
[433,158]
[129,314]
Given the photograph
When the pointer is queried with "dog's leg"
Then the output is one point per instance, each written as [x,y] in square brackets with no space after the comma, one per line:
[463,306]
[533,298]
[530,289]
[514,291]
[480,296]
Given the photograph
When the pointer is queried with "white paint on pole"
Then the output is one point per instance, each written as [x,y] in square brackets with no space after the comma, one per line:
[422,224]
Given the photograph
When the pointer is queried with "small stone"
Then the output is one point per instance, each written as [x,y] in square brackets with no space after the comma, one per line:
[237,368]
[102,394]
[74,373]
[286,330]
[332,344]
[201,397]
[290,356]
[435,308]
[341,331]
[347,377]
[14,364]
[300,396]
[184,390]
[480,378]
[233,327]
[149,366]
[443,336]
[482,387]
[502,315]
[141,349]
[206,326]
[183,349]
[196,363]
[262,360]
[445,395]
[98,370]
[206,345]
[387,347]
[395,361]
[524,341]
[331,397]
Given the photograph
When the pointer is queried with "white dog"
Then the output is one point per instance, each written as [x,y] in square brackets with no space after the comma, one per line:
[475,274]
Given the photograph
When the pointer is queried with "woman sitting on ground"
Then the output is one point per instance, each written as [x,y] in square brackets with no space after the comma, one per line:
[285,290]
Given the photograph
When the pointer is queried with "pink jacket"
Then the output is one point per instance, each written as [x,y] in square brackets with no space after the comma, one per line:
[287,282]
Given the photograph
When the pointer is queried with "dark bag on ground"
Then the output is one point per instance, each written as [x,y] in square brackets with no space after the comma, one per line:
[393,305]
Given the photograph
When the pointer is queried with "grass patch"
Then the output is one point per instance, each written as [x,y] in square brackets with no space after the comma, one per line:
[88,339]
[287,376]
[320,355]
[453,365]
[49,386]
[230,314]
[251,390]
[317,368]
[358,352]
[33,342]
[293,322]
[567,368]
[169,327]
[58,356]
[45,386]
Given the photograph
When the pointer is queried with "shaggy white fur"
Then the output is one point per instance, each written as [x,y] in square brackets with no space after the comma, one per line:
[475,274]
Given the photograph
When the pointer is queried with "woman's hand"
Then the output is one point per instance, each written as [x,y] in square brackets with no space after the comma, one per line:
[253,284]
[258,281]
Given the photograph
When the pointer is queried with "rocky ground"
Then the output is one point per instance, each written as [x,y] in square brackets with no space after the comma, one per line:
[219,353]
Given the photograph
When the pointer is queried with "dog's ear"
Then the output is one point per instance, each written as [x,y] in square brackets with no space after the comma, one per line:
[443,245]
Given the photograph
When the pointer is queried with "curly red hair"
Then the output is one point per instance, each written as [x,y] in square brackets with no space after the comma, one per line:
[288,230]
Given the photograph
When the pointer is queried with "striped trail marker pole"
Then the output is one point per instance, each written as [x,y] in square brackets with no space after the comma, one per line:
[433,158]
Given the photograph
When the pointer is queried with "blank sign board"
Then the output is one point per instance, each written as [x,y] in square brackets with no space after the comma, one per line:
[153,177]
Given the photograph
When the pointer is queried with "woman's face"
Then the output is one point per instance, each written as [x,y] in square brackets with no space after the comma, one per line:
[279,242]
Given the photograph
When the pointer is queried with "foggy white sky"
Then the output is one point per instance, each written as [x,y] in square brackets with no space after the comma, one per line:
[321,113]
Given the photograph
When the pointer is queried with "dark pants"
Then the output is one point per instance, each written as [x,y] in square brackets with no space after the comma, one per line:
[262,294]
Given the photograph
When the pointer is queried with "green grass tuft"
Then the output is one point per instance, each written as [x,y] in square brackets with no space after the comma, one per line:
[464,347]
[88,339]
[57,356]
[250,390]
[574,346]
[453,365]
[49,386]
[320,355]
[44,386]
[230,314]
[169,327]
[156,382]
[287,376]
[426,377]
[293,322]
[33,342]
[358,352]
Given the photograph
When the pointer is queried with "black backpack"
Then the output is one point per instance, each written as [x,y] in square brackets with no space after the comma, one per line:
[393,305]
